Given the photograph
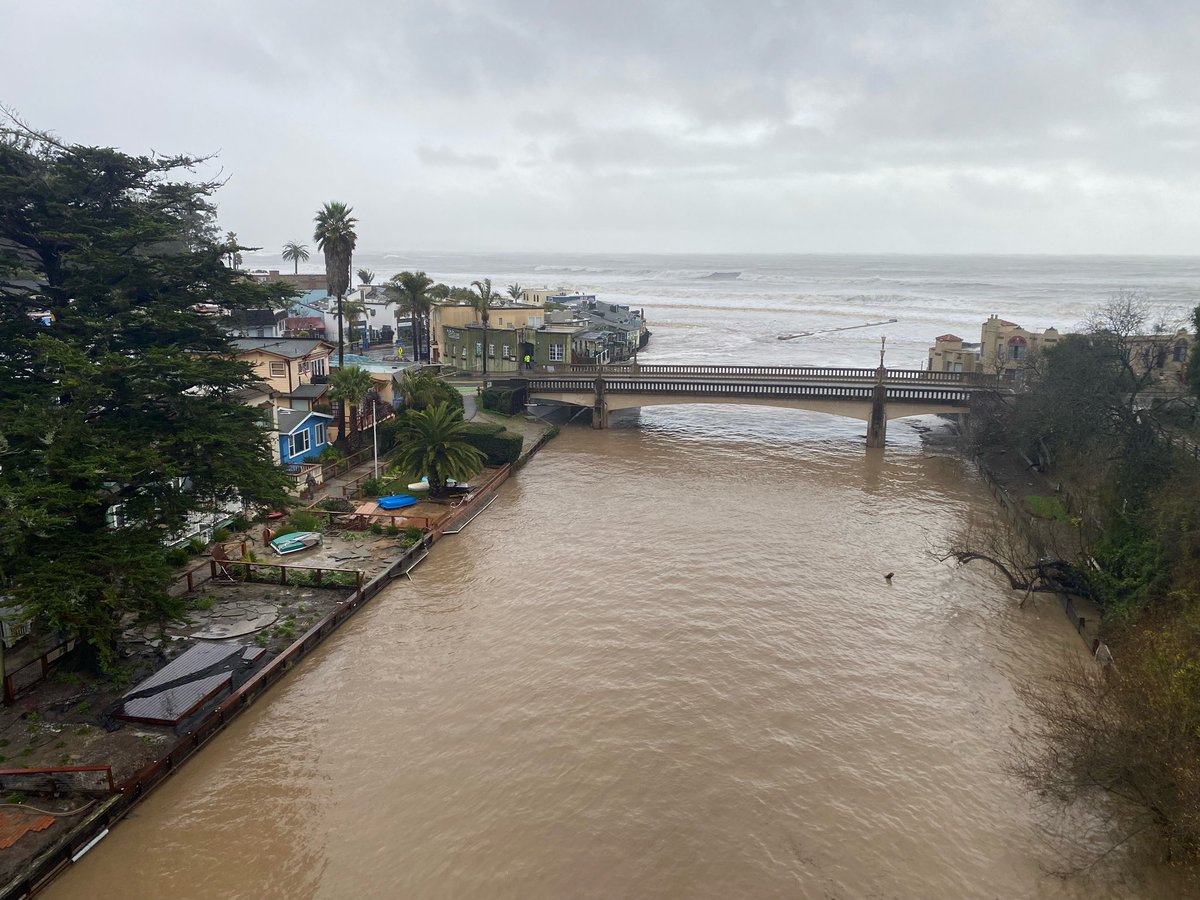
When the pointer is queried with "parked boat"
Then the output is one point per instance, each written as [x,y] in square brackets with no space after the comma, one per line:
[295,541]
[419,486]
[397,501]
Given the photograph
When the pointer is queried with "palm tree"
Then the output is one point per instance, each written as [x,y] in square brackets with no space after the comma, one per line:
[515,291]
[335,237]
[482,301]
[349,387]
[354,310]
[295,253]
[365,276]
[412,291]
[431,443]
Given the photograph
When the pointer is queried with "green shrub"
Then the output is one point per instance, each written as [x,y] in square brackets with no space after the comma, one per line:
[392,530]
[336,504]
[1047,508]
[301,520]
[412,535]
[177,556]
[372,487]
[376,528]
[329,454]
[221,535]
[203,603]
[496,444]
[503,400]
[240,523]
[196,546]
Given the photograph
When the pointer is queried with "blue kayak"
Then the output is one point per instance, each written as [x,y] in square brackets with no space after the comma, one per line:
[398,501]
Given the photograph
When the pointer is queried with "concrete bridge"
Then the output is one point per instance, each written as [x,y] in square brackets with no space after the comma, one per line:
[870,395]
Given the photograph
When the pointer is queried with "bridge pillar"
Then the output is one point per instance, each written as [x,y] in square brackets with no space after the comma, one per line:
[599,407]
[877,424]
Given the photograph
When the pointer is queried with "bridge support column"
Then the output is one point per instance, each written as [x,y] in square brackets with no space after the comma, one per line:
[877,424]
[599,407]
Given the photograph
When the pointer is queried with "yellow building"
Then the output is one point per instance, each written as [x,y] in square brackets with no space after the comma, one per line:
[1005,347]
[295,369]
[1165,355]
[950,354]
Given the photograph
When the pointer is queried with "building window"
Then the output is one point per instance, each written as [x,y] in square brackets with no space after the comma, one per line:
[300,443]
[318,366]
[1180,352]
[479,348]
[277,369]
[320,435]
[492,351]
[505,351]
[556,353]
[1016,348]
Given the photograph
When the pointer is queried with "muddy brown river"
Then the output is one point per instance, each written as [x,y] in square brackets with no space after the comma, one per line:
[664,663]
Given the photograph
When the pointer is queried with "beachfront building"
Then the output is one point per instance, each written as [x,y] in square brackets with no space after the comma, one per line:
[295,369]
[1006,347]
[950,354]
[506,317]
[1163,355]
[629,325]
[551,345]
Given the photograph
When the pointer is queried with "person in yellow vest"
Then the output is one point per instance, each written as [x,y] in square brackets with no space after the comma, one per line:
[528,361]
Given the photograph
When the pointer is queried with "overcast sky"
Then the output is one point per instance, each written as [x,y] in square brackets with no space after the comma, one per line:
[625,125]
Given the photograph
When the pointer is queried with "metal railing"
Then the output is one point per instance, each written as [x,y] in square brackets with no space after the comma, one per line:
[842,373]
[752,389]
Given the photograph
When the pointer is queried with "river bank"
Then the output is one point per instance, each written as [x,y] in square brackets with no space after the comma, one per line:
[62,710]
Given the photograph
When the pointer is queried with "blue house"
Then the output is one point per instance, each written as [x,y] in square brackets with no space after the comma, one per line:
[302,434]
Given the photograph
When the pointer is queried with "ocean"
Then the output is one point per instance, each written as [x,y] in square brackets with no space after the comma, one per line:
[700,311]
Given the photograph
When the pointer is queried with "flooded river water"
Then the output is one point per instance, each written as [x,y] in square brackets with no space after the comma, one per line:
[664,663]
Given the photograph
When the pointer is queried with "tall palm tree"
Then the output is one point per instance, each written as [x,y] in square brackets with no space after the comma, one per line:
[295,253]
[365,276]
[349,387]
[412,291]
[431,443]
[515,291]
[482,301]
[335,237]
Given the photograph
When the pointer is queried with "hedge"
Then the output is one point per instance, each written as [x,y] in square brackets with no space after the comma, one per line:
[496,444]
[503,400]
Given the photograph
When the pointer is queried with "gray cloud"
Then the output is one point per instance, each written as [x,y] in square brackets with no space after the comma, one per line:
[1023,125]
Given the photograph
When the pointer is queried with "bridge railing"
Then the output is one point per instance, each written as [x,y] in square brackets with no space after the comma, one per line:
[754,389]
[812,373]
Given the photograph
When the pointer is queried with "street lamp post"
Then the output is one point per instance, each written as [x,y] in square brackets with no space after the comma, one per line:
[373,396]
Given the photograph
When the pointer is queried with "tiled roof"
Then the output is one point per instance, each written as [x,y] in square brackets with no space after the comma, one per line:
[947,337]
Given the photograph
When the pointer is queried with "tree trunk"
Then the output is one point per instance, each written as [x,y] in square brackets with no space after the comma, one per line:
[341,365]
[485,348]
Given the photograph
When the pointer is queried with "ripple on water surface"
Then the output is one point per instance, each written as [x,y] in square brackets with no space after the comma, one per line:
[665,663]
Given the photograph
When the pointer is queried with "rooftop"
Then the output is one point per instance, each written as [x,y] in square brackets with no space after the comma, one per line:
[291,348]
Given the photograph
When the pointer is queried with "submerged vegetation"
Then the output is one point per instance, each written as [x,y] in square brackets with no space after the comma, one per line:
[1122,444]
